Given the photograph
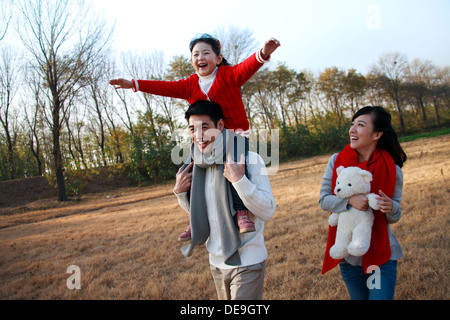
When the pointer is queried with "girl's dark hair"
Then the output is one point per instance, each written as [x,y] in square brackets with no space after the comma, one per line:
[389,139]
[205,107]
[213,42]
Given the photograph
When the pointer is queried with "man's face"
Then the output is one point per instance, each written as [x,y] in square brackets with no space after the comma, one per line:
[203,131]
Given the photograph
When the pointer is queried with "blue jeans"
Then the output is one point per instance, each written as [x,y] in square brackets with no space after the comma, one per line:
[378,285]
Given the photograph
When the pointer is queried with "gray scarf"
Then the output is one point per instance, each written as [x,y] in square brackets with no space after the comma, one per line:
[200,230]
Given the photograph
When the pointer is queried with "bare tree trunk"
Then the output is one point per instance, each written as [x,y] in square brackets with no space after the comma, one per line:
[57,157]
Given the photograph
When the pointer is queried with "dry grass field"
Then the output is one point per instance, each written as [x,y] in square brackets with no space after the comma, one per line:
[126,244]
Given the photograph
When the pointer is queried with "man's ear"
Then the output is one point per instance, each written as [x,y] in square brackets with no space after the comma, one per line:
[220,125]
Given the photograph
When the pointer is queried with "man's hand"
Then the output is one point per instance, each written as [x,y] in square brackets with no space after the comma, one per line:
[269,47]
[121,84]
[184,179]
[234,171]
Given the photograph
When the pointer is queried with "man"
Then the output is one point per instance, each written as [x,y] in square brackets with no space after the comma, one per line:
[237,261]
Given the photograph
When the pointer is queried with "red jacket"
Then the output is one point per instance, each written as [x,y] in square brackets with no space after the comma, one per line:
[225,91]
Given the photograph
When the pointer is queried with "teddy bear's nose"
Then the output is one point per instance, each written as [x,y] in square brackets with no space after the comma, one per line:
[338,190]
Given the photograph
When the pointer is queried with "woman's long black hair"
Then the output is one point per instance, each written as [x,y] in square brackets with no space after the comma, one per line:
[389,138]
[213,42]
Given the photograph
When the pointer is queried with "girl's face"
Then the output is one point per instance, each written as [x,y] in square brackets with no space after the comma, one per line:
[204,60]
[362,134]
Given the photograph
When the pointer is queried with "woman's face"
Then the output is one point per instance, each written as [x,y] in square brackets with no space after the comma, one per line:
[204,60]
[362,134]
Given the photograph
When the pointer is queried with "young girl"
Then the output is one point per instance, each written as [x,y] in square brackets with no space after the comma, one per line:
[374,147]
[215,80]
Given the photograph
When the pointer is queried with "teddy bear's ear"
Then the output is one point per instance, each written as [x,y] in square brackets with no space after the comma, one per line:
[367,176]
[339,169]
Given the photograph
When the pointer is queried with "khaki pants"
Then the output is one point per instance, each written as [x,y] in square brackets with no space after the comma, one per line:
[243,283]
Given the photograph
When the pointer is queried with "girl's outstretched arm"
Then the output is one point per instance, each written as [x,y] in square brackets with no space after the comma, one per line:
[269,47]
[122,84]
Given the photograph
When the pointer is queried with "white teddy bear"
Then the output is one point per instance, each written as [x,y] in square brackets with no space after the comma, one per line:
[354,227]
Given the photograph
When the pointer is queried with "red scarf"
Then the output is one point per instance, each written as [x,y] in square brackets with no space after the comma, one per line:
[383,170]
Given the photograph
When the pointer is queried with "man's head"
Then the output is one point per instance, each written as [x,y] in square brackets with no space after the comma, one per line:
[205,120]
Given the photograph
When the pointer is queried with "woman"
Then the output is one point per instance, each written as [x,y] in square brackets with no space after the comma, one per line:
[374,147]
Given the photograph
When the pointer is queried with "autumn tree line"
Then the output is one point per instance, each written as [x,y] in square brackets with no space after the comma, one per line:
[59,116]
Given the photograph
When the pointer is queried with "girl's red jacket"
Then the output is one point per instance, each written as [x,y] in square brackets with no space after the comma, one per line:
[225,91]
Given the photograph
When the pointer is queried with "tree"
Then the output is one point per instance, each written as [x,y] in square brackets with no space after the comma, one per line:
[355,85]
[33,118]
[391,68]
[282,80]
[6,8]
[8,89]
[418,75]
[375,90]
[298,97]
[146,66]
[116,136]
[331,83]
[63,40]
[97,100]
[74,128]
[237,44]
[264,99]
[179,68]
[439,85]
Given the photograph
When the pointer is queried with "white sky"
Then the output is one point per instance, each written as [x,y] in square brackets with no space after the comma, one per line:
[313,34]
